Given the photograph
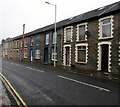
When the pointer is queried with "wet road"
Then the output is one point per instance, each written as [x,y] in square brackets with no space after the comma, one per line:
[43,86]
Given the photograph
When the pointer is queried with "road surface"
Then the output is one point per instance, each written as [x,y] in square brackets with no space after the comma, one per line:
[43,86]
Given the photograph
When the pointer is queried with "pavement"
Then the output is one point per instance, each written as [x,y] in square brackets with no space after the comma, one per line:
[4,100]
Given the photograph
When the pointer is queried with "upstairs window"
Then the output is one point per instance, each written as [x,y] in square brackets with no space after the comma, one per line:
[81,29]
[106,27]
[31,41]
[46,39]
[38,40]
[68,34]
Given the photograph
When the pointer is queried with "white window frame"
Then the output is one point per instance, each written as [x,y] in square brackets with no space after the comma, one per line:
[76,53]
[99,55]
[69,27]
[52,54]
[100,27]
[47,39]
[37,54]
[78,39]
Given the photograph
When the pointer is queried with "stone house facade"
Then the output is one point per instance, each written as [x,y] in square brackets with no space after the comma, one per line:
[91,40]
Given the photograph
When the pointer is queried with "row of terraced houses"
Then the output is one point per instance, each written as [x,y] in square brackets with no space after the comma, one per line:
[89,41]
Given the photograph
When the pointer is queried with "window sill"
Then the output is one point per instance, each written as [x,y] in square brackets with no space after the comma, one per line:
[81,62]
[53,60]
[105,38]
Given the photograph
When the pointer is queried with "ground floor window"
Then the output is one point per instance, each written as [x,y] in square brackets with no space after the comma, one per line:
[37,54]
[81,53]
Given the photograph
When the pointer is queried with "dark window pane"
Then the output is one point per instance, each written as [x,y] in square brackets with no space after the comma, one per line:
[81,53]
[82,56]
[106,30]
[82,32]
[68,35]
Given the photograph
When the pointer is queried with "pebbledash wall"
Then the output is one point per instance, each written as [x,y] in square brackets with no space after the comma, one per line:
[90,41]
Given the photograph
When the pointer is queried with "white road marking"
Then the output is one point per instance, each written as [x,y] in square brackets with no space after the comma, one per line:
[16,64]
[34,69]
[90,85]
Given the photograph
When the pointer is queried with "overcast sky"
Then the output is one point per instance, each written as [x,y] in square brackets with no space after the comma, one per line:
[36,13]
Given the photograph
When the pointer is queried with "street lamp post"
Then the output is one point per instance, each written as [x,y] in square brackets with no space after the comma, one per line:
[55,33]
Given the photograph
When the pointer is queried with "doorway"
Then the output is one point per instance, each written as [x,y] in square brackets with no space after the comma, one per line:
[104,57]
[67,56]
[45,54]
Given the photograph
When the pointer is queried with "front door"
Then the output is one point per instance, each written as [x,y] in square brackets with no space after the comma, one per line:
[31,55]
[45,54]
[67,55]
[104,57]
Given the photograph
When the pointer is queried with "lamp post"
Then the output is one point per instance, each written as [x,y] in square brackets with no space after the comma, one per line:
[55,33]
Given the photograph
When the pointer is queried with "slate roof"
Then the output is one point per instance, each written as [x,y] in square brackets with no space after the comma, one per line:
[96,13]
[49,27]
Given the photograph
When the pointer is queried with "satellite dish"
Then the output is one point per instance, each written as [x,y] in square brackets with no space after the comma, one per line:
[87,33]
